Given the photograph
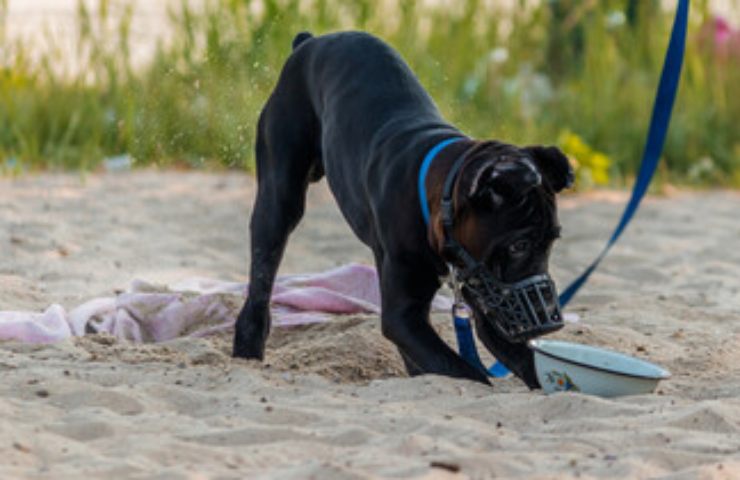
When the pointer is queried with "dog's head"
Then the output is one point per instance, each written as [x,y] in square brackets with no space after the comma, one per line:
[505,212]
[505,217]
[505,209]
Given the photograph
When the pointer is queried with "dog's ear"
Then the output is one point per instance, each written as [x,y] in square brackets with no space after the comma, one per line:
[554,166]
[494,182]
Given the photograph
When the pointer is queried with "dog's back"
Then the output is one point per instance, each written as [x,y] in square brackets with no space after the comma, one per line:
[359,86]
[356,70]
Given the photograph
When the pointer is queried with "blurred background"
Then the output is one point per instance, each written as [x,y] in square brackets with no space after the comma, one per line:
[110,84]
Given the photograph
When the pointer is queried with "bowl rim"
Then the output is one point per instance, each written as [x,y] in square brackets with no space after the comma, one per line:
[534,344]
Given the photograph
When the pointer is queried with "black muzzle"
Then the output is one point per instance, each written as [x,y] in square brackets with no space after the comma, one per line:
[517,311]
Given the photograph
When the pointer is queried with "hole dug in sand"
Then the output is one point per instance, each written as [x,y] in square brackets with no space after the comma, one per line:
[344,350]
[351,350]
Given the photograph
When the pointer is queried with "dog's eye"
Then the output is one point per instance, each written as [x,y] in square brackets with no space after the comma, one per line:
[519,247]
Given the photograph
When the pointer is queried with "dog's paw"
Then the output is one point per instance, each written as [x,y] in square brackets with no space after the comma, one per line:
[249,350]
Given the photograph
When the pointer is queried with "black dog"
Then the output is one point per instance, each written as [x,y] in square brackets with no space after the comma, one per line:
[348,107]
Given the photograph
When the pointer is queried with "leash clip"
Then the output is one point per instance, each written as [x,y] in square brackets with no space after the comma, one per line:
[454,285]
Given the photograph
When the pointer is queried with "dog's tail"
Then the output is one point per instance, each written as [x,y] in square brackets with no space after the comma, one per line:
[300,38]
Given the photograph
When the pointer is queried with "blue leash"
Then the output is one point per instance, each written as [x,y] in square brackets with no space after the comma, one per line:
[661,116]
[662,108]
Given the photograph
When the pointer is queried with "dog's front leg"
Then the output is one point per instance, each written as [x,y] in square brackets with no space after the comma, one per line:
[407,294]
[517,357]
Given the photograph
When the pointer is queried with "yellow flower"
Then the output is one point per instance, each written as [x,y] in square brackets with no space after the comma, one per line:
[592,167]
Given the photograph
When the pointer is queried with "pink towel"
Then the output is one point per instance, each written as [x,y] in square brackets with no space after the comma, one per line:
[198,307]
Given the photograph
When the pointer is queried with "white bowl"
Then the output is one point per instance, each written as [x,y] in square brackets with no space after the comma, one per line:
[563,366]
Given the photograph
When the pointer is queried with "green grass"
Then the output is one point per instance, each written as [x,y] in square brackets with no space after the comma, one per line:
[523,76]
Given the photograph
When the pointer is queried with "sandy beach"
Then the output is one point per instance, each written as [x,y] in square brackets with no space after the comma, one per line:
[332,401]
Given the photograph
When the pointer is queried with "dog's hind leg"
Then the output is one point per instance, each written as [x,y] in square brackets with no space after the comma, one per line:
[286,162]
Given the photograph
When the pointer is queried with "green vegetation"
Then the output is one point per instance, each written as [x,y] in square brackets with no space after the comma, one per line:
[535,74]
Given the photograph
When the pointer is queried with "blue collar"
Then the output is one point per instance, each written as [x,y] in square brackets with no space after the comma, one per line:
[428,159]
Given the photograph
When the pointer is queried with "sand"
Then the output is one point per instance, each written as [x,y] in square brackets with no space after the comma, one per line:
[331,400]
